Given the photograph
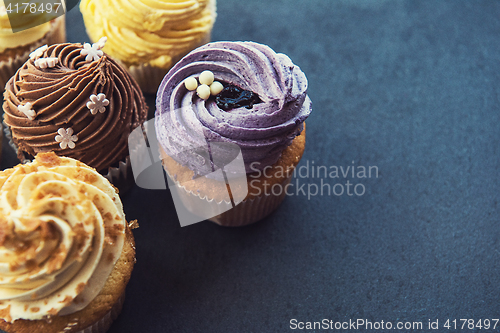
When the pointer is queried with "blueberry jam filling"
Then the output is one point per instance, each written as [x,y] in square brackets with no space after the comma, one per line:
[234,97]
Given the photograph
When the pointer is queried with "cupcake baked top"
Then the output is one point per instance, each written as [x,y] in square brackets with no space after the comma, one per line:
[62,229]
[148,31]
[76,101]
[261,109]
[24,24]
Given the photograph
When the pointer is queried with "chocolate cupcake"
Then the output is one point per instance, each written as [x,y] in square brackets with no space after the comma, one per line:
[223,99]
[74,100]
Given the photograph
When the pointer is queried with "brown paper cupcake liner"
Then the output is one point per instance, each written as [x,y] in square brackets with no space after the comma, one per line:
[246,212]
[56,35]
[120,176]
[251,210]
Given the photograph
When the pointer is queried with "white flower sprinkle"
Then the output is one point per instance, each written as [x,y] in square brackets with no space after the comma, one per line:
[27,110]
[38,53]
[101,42]
[92,53]
[97,103]
[46,62]
[66,138]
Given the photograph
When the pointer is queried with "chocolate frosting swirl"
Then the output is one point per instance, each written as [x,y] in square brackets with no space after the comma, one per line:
[184,121]
[59,96]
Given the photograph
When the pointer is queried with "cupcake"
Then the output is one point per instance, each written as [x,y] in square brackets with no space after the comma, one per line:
[223,99]
[148,37]
[66,250]
[15,47]
[74,100]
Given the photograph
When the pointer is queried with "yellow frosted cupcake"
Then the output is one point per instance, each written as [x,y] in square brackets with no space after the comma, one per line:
[15,48]
[66,250]
[149,36]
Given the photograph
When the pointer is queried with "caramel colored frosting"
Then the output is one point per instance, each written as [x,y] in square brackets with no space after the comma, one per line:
[10,40]
[62,228]
[82,105]
[149,31]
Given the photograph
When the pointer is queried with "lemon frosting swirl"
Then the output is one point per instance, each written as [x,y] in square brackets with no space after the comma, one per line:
[149,31]
[25,35]
[62,230]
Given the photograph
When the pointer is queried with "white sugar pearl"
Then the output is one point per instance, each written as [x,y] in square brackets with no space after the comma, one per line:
[203,91]
[191,83]
[216,88]
[206,77]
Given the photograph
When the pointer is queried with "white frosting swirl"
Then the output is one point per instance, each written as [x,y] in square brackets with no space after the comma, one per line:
[62,228]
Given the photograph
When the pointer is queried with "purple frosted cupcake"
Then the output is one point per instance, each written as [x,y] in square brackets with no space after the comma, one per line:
[225,95]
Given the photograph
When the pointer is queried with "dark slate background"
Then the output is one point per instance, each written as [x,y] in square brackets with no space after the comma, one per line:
[411,87]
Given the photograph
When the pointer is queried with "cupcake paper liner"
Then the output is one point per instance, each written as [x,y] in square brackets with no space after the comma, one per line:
[246,212]
[251,210]
[56,35]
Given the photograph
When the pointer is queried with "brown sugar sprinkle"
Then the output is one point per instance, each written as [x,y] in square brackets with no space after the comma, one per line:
[35,309]
[80,287]
[4,230]
[108,216]
[82,174]
[26,306]
[80,235]
[5,314]
[57,260]
[68,299]
[133,224]
[52,312]
[112,233]
[91,220]
[48,159]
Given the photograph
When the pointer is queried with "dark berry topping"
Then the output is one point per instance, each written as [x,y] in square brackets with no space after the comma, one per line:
[234,97]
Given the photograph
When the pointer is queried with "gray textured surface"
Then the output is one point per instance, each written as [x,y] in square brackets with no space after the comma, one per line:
[411,87]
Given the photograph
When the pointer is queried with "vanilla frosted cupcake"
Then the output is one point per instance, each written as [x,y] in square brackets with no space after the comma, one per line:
[149,36]
[74,100]
[66,250]
[221,99]
[15,47]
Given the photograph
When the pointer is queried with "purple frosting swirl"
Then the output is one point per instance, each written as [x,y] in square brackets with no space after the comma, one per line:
[185,122]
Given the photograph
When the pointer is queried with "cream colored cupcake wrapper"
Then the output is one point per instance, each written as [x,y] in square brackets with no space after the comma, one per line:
[56,35]
[121,176]
[246,212]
